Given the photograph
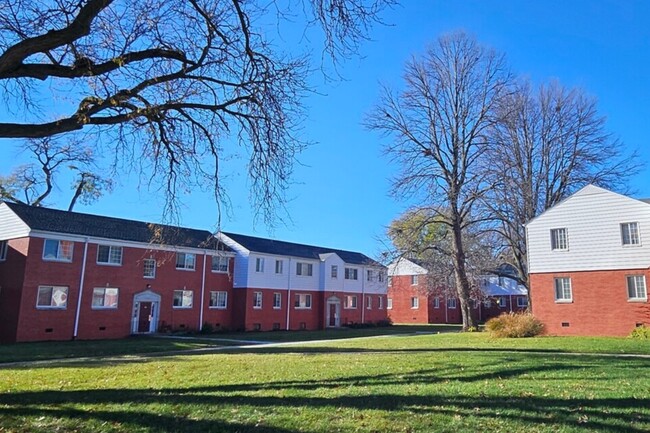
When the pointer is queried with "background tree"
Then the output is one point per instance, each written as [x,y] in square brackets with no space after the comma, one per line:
[439,127]
[423,236]
[34,183]
[167,86]
[547,144]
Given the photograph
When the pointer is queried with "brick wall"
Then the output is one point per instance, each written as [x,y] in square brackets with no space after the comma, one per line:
[600,303]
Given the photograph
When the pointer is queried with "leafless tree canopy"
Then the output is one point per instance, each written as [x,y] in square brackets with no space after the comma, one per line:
[439,126]
[168,84]
[548,143]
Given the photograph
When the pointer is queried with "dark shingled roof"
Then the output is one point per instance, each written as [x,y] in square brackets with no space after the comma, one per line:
[281,248]
[58,221]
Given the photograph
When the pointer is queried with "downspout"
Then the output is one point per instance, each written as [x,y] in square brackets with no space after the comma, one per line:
[363,297]
[288,293]
[81,289]
[446,309]
[511,303]
[205,255]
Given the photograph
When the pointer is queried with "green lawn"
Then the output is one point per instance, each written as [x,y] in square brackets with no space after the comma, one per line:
[426,383]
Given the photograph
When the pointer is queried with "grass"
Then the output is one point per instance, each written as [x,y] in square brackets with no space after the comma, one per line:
[143,345]
[426,383]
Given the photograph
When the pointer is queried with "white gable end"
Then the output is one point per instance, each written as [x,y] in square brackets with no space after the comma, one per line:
[12,227]
[592,219]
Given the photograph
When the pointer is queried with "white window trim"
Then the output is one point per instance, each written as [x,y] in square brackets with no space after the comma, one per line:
[415,280]
[566,238]
[218,307]
[255,294]
[351,272]
[305,266]
[334,272]
[301,307]
[645,286]
[182,307]
[436,302]
[279,267]
[453,302]
[389,303]
[104,307]
[415,303]
[52,307]
[368,302]
[57,259]
[185,267]
[277,295]
[110,249]
[638,233]
[522,302]
[144,267]
[380,302]
[562,300]
[219,271]
[347,304]
[259,265]
[502,302]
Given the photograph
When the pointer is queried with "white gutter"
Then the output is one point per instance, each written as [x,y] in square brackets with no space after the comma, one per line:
[205,255]
[363,298]
[446,309]
[81,289]
[288,293]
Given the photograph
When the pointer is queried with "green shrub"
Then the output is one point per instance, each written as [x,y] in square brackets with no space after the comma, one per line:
[514,325]
[641,333]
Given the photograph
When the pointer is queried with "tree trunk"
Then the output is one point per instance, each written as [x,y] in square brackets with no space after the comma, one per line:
[460,274]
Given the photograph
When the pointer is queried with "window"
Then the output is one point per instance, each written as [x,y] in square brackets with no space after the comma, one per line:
[218,299]
[380,303]
[563,290]
[415,303]
[451,303]
[52,297]
[487,303]
[389,303]
[436,302]
[149,268]
[104,298]
[350,301]
[522,301]
[369,303]
[3,250]
[559,240]
[259,264]
[380,276]
[370,275]
[414,280]
[58,250]
[302,301]
[334,271]
[220,264]
[304,269]
[257,299]
[277,301]
[390,281]
[502,302]
[109,255]
[636,289]
[630,234]
[279,264]
[186,261]
[351,274]
[183,298]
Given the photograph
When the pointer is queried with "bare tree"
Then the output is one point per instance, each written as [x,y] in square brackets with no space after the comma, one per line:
[439,125]
[167,84]
[422,235]
[548,143]
[34,183]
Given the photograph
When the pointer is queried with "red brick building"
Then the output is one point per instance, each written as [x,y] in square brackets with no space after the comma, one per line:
[589,260]
[284,285]
[411,299]
[68,275]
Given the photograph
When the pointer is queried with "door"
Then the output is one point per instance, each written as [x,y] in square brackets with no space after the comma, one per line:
[334,314]
[144,317]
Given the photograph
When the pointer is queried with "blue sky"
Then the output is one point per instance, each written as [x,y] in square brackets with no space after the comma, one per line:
[340,193]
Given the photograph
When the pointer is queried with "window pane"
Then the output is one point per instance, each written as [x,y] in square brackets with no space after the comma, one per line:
[102,253]
[115,255]
[50,249]
[180,260]
[44,296]
[98,297]
[59,296]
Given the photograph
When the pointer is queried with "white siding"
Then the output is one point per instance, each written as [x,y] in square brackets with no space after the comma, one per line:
[592,217]
[375,287]
[326,281]
[270,280]
[240,273]
[11,227]
[404,266]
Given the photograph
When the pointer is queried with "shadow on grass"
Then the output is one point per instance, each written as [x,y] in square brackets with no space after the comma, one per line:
[593,415]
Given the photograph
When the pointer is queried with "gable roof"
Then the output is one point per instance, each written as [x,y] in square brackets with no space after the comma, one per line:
[75,223]
[282,248]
